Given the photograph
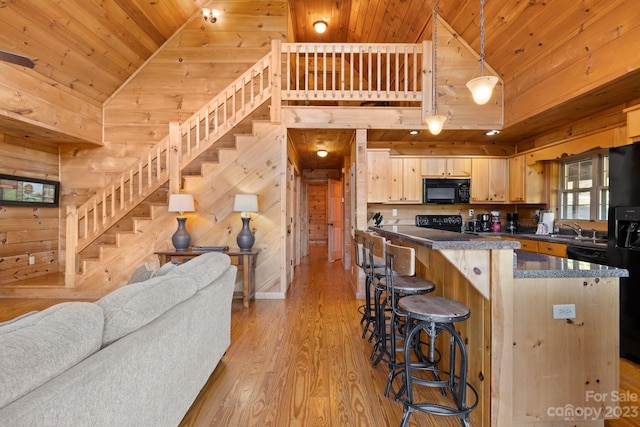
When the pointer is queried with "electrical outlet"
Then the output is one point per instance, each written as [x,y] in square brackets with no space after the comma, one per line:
[471,212]
[564,311]
[32,259]
[394,212]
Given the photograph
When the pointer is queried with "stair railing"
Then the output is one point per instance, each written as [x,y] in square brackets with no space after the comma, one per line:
[358,73]
[87,222]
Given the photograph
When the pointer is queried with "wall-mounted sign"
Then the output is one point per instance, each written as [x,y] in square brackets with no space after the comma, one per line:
[15,190]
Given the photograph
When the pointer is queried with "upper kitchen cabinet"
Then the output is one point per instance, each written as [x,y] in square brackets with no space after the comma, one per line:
[526,182]
[633,123]
[405,180]
[434,167]
[378,176]
[489,183]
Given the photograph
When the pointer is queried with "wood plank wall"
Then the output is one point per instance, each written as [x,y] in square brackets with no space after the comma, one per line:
[26,231]
[196,64]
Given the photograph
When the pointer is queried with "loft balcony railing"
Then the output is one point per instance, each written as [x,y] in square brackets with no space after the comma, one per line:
[351,74]
[361,73]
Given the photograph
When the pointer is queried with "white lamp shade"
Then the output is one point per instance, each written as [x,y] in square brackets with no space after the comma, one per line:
[436,123]
[245,203]
[482,88]
[181,203]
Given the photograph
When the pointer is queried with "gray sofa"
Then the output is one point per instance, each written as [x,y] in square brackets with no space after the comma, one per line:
[137,357]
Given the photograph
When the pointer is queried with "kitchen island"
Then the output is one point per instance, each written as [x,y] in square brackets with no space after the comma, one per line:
[528,367]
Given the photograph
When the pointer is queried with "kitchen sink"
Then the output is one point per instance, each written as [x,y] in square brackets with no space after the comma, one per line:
[579,238]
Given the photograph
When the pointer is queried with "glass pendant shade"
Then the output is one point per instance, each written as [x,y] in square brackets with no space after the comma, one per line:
[436,123]
[482,88]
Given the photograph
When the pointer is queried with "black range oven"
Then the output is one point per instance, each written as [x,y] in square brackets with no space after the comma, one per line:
[440,222]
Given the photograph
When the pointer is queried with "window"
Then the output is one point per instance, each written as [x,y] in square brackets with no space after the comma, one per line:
[584,187]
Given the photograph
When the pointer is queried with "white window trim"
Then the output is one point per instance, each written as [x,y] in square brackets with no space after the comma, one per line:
[598,184]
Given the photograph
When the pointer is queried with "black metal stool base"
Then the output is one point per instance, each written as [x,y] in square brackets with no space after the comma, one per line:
[452,381]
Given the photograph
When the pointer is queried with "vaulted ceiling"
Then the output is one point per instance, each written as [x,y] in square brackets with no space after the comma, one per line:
[92,47]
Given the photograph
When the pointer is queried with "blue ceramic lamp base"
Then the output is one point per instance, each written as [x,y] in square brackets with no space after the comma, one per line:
[245,238]
[181,238]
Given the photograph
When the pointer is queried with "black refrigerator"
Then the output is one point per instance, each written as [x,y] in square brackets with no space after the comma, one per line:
[624,241]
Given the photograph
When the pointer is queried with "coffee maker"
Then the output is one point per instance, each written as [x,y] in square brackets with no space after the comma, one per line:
[512,223]
[485,223]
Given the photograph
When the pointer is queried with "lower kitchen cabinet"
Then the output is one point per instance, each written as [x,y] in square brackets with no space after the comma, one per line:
[555,249]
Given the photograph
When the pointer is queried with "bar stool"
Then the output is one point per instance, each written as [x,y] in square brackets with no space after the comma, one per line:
[399,281]
[375,254]
[361,258]
[436,315]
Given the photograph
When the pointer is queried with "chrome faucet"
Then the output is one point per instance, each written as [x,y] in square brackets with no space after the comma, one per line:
[577,229]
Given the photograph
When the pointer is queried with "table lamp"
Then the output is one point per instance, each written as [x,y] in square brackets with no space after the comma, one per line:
[181,203]
[245,203]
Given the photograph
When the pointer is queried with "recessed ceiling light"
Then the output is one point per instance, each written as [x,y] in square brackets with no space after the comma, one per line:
[322,153]
[414,132]
[492,132]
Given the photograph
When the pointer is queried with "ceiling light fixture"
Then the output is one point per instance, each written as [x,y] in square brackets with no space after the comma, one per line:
[322,153]
[210,15]
[320,26]
[482,87]
[492,132]
[435,121]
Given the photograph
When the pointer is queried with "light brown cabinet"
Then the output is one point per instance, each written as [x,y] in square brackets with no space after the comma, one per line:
[455,167]
[541,247]
[555,249]
[405,180]
[377,176]
[633,123]
[489,183]
[526,182]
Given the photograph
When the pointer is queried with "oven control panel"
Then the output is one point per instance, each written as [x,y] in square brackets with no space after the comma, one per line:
[440,222]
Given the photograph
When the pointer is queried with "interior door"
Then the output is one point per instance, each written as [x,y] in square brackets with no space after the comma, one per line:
[334,219]
[291,200]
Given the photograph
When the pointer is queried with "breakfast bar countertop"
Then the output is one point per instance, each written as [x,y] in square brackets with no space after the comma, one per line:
[441,239]
[526,264]
[533,265]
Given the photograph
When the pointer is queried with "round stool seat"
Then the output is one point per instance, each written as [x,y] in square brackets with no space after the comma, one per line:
[410,285]
[434,309]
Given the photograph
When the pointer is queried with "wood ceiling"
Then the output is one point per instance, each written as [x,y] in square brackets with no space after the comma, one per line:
[92,47]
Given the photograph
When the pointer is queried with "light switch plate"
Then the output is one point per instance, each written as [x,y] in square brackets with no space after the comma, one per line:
[394,212]
[564,311]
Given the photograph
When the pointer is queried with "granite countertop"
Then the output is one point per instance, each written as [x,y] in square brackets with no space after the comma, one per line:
[533,265]
[556,238]
[439,239]
[526,264]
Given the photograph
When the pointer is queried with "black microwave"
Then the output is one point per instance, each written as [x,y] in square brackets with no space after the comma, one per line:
[445,190]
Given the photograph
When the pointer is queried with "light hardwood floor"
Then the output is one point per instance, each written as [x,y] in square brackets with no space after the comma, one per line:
[301,361]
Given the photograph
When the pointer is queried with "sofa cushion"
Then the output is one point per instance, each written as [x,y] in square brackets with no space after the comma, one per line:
[204,269]
[141,274]
[165,269]
[42,345]
[130,307]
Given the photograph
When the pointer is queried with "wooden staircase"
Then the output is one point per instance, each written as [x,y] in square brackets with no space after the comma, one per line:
[101,224]
[131,211]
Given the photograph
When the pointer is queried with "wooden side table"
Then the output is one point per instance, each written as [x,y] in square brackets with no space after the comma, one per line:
[245,261]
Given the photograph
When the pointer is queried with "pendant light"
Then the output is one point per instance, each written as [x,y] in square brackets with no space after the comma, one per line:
[435,121]
[482,87]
